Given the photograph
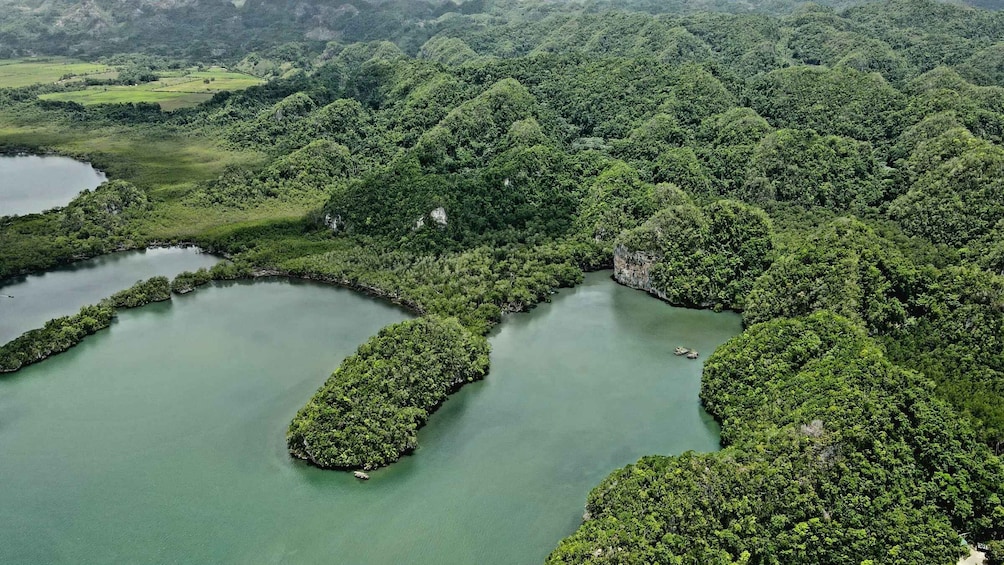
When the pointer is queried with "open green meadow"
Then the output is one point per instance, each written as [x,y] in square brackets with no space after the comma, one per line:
[167,166]
[172,90]
[16,73]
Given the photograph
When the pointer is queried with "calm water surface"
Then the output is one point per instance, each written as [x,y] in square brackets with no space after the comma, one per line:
[28,302]
[30,184]
[162,440]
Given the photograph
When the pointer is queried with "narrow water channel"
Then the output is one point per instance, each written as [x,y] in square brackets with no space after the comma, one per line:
[162,439]
[28,302]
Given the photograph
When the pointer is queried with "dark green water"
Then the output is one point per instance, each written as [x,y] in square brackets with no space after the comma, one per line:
[28,302]
[162,440]
[30,184]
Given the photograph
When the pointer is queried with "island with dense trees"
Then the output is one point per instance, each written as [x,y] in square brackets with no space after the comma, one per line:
[832,171]
[369,411]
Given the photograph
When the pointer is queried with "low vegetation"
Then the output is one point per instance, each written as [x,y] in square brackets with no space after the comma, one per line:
[170,90]
[18,73]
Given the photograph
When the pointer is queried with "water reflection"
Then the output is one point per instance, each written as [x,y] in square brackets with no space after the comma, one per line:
[30,184]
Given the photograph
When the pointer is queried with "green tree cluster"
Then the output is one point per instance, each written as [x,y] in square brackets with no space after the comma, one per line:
[844,267]
[155,289]
[55,336]
[834,455]
[95,222]
[310,174]
[700,257]
[804,167]
[477,286]
[946,323]
[368,412]
[188,281]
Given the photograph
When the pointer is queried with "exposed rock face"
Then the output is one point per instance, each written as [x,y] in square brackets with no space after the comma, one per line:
[438,215]
[631,269]
[321,34]
[813,428]
[334,222]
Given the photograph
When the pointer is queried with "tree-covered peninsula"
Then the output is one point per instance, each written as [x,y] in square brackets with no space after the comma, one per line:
[62,333]
[56,336]
[368,413]
[833,171]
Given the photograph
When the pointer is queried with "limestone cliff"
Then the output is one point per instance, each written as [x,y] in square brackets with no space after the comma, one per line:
[631,269]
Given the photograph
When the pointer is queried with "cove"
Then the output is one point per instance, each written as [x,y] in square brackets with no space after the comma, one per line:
[28,302]
[30,184]
[162,439]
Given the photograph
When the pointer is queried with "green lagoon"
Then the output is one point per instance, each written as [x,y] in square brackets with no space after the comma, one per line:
[161,440]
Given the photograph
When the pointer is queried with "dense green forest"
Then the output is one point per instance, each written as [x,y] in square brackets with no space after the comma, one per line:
[834,172]
[369,411]
[815,421]
[225,28]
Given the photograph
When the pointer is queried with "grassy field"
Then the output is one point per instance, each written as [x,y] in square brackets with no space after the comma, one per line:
[167,165]
[172,90]
[16,73]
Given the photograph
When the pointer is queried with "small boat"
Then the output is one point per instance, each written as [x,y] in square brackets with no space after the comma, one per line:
[681,351]
[361,476]
[692,355]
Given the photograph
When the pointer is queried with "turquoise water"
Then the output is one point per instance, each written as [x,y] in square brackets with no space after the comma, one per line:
[162,439]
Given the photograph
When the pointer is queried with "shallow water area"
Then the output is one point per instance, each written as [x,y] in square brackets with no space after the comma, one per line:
[30,184]
[28,302]
[162,439]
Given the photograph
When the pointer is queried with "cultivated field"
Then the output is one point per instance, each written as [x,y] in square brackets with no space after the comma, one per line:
[16,73]
[173,90]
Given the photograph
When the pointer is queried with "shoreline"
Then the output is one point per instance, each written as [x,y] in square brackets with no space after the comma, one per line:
[157,244]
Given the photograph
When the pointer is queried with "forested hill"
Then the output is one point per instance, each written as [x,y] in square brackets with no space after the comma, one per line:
[225,29]
[835,174]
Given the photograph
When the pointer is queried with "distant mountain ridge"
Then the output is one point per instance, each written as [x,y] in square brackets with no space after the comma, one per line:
[229,29]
